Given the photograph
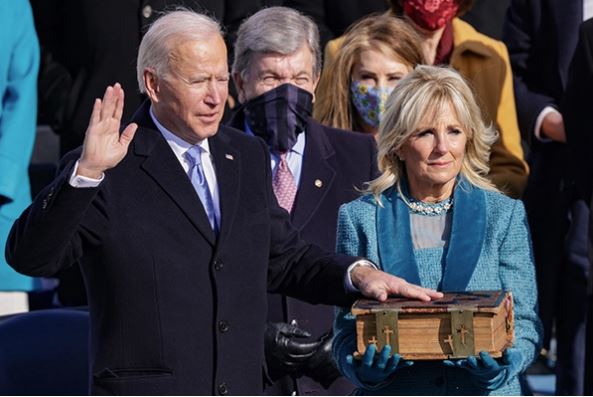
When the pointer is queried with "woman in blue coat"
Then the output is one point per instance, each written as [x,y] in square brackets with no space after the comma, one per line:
[19,65]
[434,219]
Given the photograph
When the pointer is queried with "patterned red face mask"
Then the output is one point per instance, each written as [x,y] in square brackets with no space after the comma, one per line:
[430,14]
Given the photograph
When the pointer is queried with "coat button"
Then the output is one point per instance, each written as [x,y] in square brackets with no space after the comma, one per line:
[218,264]
[223,326]
[147,11]
[223,389]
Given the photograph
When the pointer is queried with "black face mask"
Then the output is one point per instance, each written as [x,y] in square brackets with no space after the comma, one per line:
[279,115]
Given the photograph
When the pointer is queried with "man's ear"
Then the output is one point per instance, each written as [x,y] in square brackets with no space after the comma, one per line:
[151,82]
[315,82]
[240,86]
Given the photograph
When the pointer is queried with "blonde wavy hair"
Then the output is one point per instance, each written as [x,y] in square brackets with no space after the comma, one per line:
[386,33]
[425,91]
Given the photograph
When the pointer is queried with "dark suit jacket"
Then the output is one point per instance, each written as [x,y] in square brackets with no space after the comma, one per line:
[174,310]
[577,111]
[541,36]
[578,119]
[335,164]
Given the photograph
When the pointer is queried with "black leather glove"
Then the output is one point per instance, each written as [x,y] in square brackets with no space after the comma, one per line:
[321,367]
[285,355]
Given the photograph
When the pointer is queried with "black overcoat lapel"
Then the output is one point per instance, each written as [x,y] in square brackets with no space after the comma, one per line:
[227,162]
[161,165]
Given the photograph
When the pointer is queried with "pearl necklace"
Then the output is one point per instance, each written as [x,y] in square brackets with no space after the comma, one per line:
[422,208]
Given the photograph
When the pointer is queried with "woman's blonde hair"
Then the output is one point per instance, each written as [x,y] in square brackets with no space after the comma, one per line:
[388,34]
[428,90]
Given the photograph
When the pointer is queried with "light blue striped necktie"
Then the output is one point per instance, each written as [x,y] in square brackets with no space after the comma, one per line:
[198,179]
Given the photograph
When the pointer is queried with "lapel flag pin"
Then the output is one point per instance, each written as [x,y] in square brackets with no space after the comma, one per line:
[229,156]
[318,183]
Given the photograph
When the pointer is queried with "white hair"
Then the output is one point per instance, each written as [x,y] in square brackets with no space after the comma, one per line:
[155,48]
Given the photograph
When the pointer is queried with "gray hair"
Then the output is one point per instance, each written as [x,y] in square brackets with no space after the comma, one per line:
[278,30]
[157,43]
[428,90]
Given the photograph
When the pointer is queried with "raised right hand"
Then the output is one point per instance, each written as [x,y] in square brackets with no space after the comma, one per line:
[104,147]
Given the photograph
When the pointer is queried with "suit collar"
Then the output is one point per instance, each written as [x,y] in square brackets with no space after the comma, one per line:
[317,175]
[566,14]
[227,161]
[468,230]
[163,166]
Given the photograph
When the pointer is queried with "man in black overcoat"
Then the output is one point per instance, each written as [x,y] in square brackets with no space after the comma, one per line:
[87,45]
[576,107]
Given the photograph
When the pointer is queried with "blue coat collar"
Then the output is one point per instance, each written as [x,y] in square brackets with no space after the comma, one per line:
[468,230]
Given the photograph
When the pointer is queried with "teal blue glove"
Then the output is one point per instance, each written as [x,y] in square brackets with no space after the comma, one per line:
[374,369]
[487,373]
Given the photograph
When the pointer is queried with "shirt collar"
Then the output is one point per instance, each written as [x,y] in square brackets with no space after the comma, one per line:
[178,145]
[298,147]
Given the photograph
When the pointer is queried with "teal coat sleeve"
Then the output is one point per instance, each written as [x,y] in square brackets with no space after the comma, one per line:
[19,66]
[517,274]
[344,342]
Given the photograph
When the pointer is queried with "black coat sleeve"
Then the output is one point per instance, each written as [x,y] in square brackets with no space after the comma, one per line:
[50,234]
[578,118]
[521,25]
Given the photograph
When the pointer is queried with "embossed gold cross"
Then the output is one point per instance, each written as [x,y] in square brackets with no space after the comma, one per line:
[463,331]
[387,331]
[449,340]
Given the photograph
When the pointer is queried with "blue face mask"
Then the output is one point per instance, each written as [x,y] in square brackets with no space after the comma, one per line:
[369,101]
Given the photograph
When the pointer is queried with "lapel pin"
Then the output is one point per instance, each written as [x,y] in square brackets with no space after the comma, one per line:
[229,156]
[318,182]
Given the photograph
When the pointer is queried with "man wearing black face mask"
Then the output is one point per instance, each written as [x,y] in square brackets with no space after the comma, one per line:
[315,170]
